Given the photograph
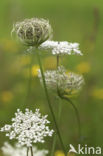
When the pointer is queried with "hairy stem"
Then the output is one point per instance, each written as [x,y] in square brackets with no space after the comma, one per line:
[49,102]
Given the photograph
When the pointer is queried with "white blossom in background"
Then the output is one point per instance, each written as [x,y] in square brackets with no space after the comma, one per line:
[59,48]
[68,83]
[28,127]
[9,150]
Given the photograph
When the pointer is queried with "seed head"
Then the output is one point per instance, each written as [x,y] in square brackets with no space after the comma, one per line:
[33,32]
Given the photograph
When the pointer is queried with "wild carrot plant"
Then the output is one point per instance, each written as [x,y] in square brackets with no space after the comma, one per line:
[29,128]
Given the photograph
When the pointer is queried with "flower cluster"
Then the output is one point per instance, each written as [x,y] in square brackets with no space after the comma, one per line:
[9,150]
[38,32]
[28,127]
[67,83]
[33,32]
[59,48]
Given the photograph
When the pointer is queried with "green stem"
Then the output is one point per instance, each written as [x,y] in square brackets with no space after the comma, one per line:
[59,114]
[29,82]
[74,107]
[55,137]
[53,145]
[76,112]
[49,102]
[57,61]
[27,151]
[31,151]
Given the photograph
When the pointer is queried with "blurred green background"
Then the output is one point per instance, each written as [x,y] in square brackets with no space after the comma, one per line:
[72,20]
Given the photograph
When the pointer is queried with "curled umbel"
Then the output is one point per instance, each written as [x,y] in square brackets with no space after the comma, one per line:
[66,83]
[33,32]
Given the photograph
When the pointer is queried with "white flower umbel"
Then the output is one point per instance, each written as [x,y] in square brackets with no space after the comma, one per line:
[67,83]
[28,127]
[9,150]
[59,48]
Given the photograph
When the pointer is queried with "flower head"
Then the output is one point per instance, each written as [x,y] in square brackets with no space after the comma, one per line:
[9,150]
[63,47]
[59,153]
[66,83]
[97,93]
[35,69]
[83,67]
[6,96]
[33,32]
[28,127]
